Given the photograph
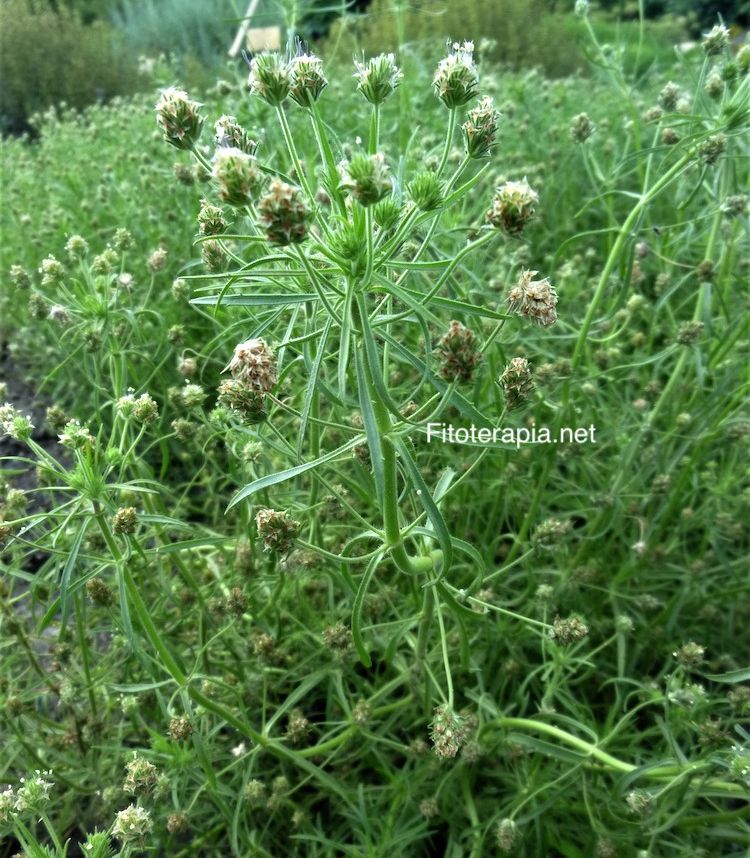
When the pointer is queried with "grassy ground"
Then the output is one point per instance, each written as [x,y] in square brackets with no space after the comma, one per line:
[574,682]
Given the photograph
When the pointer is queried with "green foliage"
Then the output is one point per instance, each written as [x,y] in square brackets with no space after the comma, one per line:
[514,33]
[47,57]
[583,606]
[199,29]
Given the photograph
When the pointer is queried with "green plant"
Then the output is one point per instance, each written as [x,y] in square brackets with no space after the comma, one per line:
[192,676]
[49,56]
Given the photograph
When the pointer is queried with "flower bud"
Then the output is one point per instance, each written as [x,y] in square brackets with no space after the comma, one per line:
[480,129]
[125,520]
[230,134]
[378,77]
[307,79]
[366,178]
[269,78]
[179,118]
[284,214]
[581,128]
[237,175]
[426,191]
[535,299]
[716,40]
[513,207]
[456,79]
[19,277]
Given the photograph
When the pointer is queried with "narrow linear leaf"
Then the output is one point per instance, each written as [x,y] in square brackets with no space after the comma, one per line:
[254,300]
[359,599]
[370,424]
[425,498]
[290,473]
[67,572]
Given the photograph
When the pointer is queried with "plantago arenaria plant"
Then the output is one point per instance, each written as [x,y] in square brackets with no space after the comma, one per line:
[407,514]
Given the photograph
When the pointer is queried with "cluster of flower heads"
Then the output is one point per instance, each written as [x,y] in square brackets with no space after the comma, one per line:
[254,373]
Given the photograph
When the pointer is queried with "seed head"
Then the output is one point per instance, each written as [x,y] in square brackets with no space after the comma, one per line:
[14,424]
[307,79]
[180,729]
[141,777]
[241,398]
[211,219]
[716,40]
[338,639]
[76,247]
[297,727]
[378,77]
[366,178]
[507,835]
[254,363]
[213,255]
[711,150]
[458,352]
[456,79]
[59,314]
[125,520]
[386,213]
[568,631]
[480,128]
[516,382]
[689,333]
[284,214]
[269,78]
[448,731]
[735,206]
[639,802]
[550,533]
[179,118]
[132,824]
[428,807]
[669,96]
[513,207]
[255,792]
[535,299]
[19,277]
[237,175]
[75,436]
[228,133]
[690,655]
[157,260]
[99,592]
[177,823]
[123,239]
[33,794]
[581,128]
[52,271]
[278,530]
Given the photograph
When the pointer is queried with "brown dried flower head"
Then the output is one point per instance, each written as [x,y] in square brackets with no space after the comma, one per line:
[535,299]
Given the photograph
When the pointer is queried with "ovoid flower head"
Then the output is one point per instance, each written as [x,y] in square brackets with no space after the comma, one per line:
[284,214]
[513,206]
[480,129]
[237,175]
[230,134]
[456,78]
[366,178]
[269,78]
[535,299]
[307,80]
[179,118]
[378,77]
[254,364]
